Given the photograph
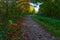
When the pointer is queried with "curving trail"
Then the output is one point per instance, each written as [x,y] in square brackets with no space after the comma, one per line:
[33,31]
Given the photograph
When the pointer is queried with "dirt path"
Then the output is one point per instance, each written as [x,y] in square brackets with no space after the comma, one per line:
[33,31]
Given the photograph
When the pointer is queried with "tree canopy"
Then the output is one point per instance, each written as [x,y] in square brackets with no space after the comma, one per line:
[49,7]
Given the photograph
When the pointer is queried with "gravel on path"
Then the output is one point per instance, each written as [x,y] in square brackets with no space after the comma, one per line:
[33,31]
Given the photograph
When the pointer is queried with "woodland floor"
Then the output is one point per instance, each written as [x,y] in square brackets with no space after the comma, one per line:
[33,31]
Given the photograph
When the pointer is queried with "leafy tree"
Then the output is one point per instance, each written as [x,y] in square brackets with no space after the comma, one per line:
[50,8]
[13,9]
[10,12]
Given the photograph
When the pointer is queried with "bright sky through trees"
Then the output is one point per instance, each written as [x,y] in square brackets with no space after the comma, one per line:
[36,6]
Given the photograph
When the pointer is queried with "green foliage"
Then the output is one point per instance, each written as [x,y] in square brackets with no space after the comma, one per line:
[52,25]
[51,21]
[10,11]
[50,8]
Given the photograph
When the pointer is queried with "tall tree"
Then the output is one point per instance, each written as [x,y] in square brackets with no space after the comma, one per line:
[50,7]
[14,9]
